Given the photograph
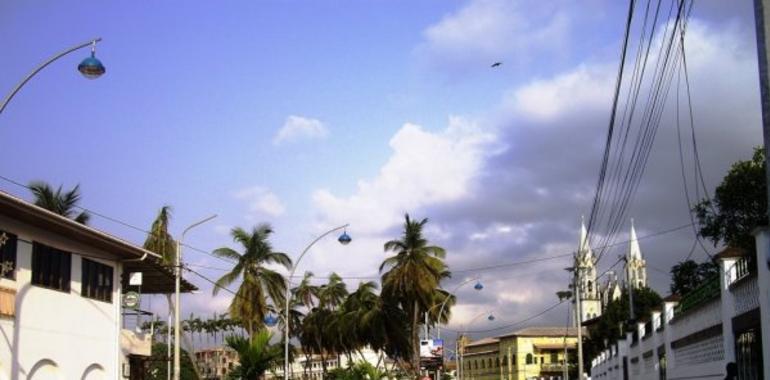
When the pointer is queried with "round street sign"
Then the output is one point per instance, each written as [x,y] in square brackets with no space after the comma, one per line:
[131,300]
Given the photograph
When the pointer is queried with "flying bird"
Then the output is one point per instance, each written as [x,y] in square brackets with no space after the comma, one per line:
[496,64]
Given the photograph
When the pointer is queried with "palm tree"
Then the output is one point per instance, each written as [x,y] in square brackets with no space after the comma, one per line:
[255,355]
[259,284]
[413,276]
[305,293]
[159,240]
[62,203]
[332,293]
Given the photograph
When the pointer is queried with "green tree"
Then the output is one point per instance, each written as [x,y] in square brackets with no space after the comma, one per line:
[259,284]
[688,275]
[414,273]
[256,355]
[159,240]
[157,366]
[57,201]
[739,204]
[609,327]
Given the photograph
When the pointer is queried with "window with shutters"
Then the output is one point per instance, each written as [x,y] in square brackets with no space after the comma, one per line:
[96,280]
[51,267]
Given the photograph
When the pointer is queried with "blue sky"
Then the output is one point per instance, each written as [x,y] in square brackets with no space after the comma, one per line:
[389,107]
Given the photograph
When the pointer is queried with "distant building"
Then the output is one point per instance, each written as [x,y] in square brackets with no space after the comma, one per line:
[530,353]
[302,369]
[61,289]
[215,363]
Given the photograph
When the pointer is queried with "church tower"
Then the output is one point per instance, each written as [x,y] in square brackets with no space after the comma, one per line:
[636,266]
[585,263]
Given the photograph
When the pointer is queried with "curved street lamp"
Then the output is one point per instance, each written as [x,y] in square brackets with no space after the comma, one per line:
[343,239]
[490,317]
[478,287]
[90,67]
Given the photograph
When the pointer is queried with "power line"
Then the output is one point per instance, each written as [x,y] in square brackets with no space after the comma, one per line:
[120,222]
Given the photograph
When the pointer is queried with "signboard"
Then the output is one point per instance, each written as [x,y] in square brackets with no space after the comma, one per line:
[131,300]
[135,279]
[432,354]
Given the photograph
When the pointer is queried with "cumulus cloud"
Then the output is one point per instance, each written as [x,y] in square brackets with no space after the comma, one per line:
[298,128]
[485,31]
[260,201]
[425,168]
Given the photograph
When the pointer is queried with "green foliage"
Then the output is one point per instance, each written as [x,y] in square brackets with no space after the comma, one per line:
[706,291]
[159,240]
[609,326]
[256,355]
[259,283]
[359,371]
[739,204]
[412,280]
[158,365]
[62,203]
[688,275]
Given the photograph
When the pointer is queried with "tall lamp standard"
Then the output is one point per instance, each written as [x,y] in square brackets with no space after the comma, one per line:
[490,317]
[478,287]
[90,67]
[344,239]
[177,278]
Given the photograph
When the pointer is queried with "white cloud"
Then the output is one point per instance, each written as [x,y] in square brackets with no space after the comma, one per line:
[261,201]
[485,31]
[298,127]
[583,89]
[425,168]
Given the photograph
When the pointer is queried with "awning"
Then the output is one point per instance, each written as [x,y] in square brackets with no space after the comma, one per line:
[156,277]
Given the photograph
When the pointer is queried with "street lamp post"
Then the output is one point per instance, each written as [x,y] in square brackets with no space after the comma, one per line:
[478,287]
[490,317]
[177,281]
[90,67]
[344,239]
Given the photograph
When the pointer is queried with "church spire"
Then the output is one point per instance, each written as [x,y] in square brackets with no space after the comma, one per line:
[584,250]
[634,252]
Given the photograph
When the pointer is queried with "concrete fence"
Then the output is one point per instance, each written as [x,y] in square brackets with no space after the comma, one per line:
[726,319]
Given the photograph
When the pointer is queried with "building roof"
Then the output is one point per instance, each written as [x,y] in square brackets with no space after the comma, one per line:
[157,278]
[549,331]
[731,252]
[483,341]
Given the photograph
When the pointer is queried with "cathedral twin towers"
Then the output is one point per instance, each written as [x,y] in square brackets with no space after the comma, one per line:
[594,297]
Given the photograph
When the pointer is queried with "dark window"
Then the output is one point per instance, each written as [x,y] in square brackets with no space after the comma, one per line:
[51,267]
[529,358]
[8,255]
[97,281]
[554,357]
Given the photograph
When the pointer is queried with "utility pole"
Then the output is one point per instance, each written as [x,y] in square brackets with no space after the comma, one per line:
[630,284]
[762,14]
[579,315]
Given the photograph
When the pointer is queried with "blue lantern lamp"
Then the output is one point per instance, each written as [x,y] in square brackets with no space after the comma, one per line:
[491,317]
[344,239]
[91,67]
[270,320]
[478,286]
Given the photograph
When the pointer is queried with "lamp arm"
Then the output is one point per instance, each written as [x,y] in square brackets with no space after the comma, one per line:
[288,296]
[441,310]
[41,67]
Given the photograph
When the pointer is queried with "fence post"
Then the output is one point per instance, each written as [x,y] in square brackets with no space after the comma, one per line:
[762,236]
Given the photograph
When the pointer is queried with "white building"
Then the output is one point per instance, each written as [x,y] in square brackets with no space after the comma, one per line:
[60,297]
[585,263]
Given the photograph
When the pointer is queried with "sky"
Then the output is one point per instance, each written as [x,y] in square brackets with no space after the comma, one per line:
[312,114]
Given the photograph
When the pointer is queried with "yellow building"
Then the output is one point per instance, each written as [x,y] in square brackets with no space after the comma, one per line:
[530,353]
